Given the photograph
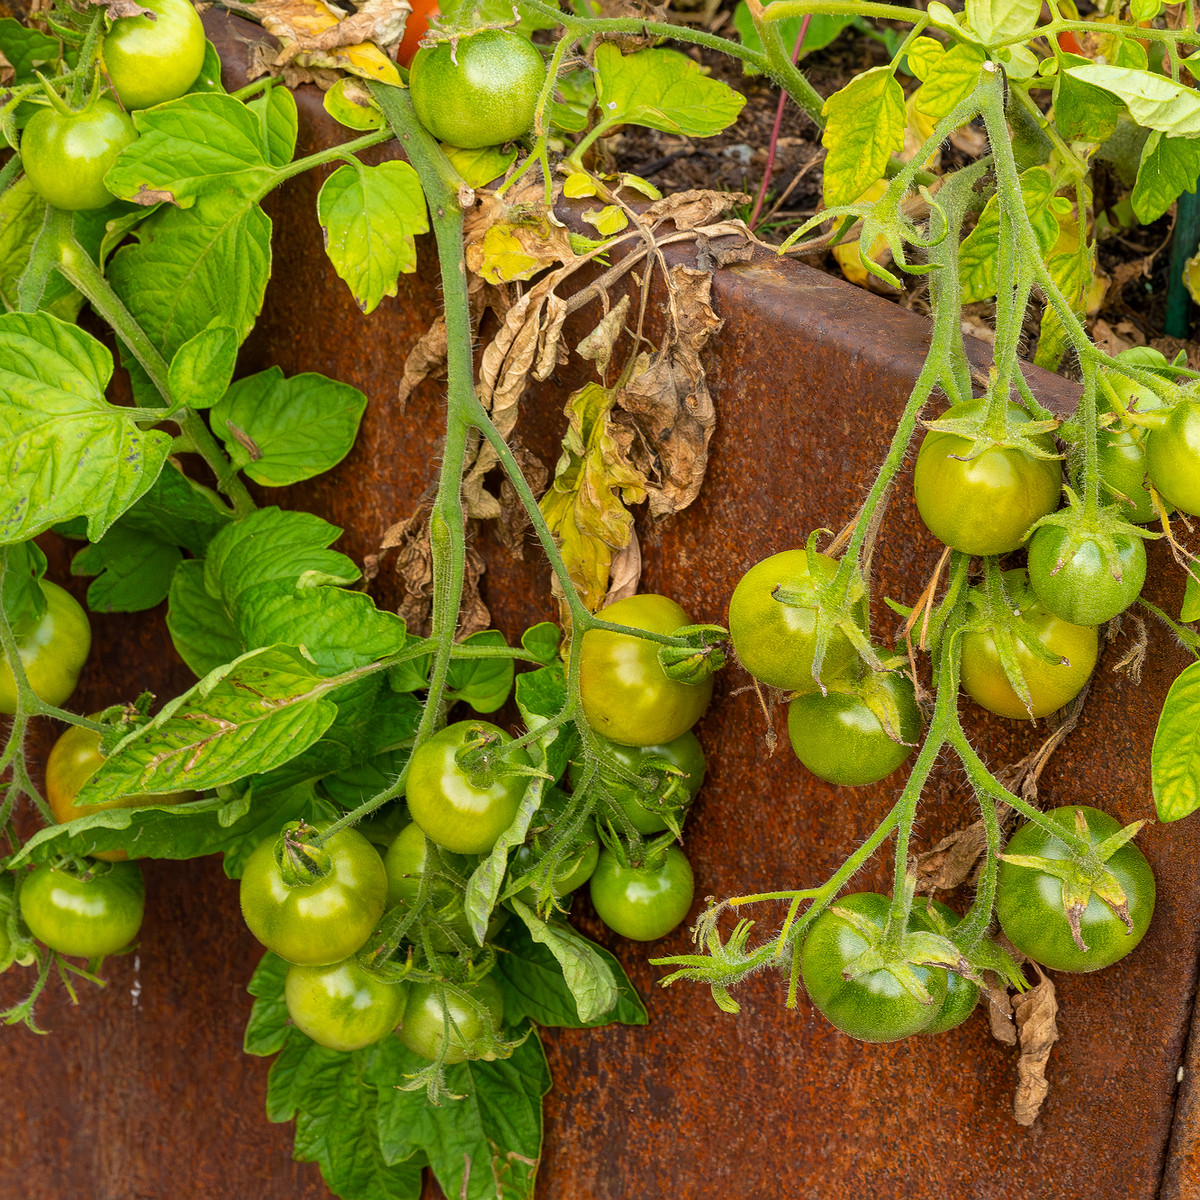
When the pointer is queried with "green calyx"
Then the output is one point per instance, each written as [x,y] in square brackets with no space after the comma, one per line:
[300,862]
[987,429]
[697,660]
[484,757]
[1084,876]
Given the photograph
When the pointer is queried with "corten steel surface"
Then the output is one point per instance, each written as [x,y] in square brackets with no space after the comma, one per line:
[142,1090]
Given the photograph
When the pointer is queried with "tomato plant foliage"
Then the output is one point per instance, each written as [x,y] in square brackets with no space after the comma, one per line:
[314,710]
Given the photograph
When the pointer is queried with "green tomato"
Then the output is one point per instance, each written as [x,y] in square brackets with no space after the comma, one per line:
[627,696]
[459,812]
[1079,587]
[983,503]
[643,903]
[775,642]
[1029,903]
[463,1020]
[839,739]
[343,1006]
[1173,457]
[873,1007]
[483,91]
[153,59]
[67,155]
[86,915]
[658,791]
[53,653]
[322,922]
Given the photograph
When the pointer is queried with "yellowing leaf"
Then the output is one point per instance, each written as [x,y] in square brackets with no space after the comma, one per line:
[608,220]
[501,256]
[313,36]
[578,184]
[593,482]
[866,121]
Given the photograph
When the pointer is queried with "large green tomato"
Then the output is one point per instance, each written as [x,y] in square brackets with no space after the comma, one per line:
[53,653]
[643,903]
[776,642]
[464,1020]
[1074,580]
[983,502]
[1029,902]
[343,1006]
[322,922]
[627,696]
[73,760]
[67,155]
[1173,457]
[460,812]
[482,91]
[153,59]
[88,915]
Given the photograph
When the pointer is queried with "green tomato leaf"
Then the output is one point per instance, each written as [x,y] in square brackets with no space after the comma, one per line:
[542,641]
[662,89]
[483,1146]
[1190,610]
[22,212]
[202,367]
[924,53]
[134,569]
[978,253]
[339,1115]
[999,20]
[1083,112]
[865,128]
[534,985]
[1169,167]
[371,216]
[588,977]
[271,544]
[245,717]
[950,79]
[281,431]
[1175,757]
[64,450]
[26,48]
[483,683]
[200,626]
[349,103]
[480,167]
[23,598]
[190,830]
[269,1025]
[1154,101]
[209,79]
[191,269]
[541,695]
[201,143]
[278,123]
[572,102]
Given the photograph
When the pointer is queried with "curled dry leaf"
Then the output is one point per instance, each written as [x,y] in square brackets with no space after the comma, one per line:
[594,481]
[514,237]
[514,520]
[669,399]
[1037,1031]
[625,571]
[1000,1012]
[414,567]
[123,8]
[598,346]
[319,35]
[952,861]
[693,208]
[426,358]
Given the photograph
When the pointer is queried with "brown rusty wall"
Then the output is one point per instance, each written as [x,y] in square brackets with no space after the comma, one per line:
[142,1091]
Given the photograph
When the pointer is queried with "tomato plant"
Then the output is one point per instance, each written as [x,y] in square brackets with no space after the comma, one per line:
[153,58]
[627,695]
[67,154]
[482,92]
[313,905]
[88,913]
[464,803]
[645,901]
[1073,912]
[342,1005]
[452,1023]
[52,652]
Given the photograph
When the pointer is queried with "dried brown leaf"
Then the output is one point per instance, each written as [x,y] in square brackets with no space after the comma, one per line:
[551,352]
[625,571]
[670,401]
[952,861]
[514,520]
[597,346]
[1037,1031]
[1000,1010]
[126,8]
[319,35]
[426,357]
[693,208]
[514,237]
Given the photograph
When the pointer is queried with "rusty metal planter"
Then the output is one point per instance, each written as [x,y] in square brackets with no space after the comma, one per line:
[143,1090]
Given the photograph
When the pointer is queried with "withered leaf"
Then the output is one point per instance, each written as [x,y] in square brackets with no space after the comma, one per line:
[693,208]
[952,861]
[514,237]
[125,8]
[999,1010]
[551,352]
[319,35]
[594,481]
[426,357]
[626,571]
[1037,1031]
[598,345]
[514,520]
[670,401]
